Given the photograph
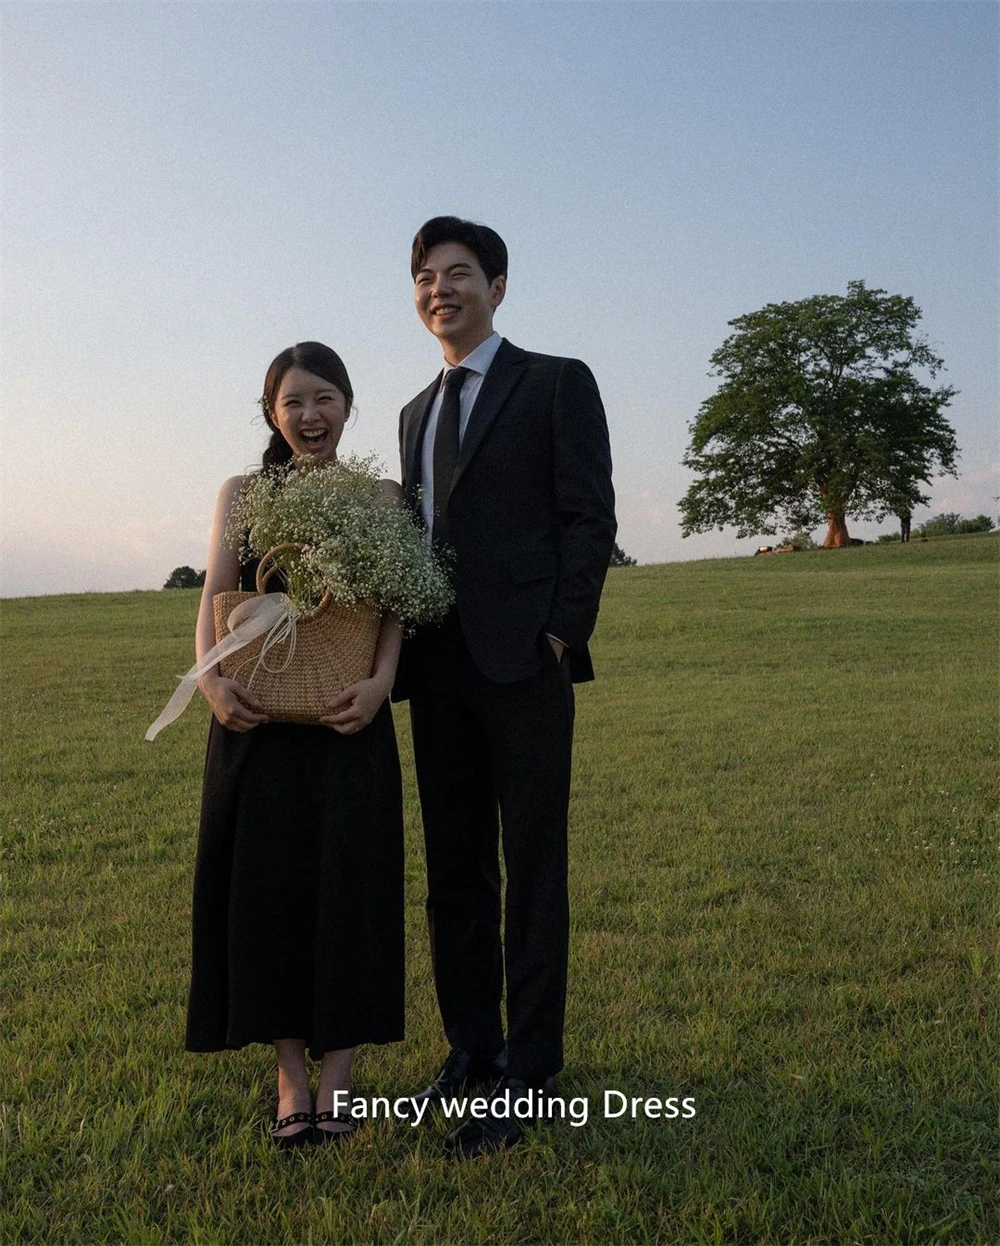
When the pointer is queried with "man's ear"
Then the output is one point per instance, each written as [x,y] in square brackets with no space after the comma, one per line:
[498,288]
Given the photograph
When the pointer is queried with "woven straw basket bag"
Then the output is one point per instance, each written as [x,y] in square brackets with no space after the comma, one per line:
[334,648]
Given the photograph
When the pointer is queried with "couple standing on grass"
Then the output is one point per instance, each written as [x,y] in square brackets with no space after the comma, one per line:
[298,905]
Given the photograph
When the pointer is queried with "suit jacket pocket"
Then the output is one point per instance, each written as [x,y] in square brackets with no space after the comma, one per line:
[539,564]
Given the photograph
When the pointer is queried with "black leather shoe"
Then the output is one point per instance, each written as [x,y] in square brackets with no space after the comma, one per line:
[288,1142]
[514,1107]
[461,1073]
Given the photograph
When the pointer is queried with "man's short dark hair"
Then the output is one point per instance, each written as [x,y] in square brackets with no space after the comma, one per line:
[484,243]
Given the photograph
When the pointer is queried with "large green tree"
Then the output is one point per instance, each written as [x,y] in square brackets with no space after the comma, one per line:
[822,413]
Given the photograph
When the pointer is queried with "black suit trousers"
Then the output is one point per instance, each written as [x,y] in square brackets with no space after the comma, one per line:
[493,761]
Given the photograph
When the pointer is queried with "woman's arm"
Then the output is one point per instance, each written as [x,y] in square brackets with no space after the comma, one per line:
[232,704]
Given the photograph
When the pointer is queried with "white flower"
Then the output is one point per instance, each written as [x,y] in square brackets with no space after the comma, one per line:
[353,543]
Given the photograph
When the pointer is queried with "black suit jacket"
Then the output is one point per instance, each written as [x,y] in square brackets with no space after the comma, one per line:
[531,512]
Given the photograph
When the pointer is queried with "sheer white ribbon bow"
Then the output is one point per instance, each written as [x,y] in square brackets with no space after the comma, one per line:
[268,612]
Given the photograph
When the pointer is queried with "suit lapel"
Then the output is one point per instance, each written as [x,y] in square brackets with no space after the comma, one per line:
[504,373]
[414,424]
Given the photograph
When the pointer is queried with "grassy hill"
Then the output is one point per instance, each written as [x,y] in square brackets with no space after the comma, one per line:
[783,888]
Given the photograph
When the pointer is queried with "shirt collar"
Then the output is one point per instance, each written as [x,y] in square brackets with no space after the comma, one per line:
[479,360]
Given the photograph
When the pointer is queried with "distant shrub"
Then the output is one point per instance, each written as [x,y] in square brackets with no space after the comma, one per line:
[620,559]
[940,525]
[954,525]
[185,577]
[981,523]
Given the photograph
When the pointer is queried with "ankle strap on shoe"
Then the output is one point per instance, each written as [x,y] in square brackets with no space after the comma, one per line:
[341,1118]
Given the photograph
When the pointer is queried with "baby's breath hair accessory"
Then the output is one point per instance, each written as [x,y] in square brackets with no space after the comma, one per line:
[265,409]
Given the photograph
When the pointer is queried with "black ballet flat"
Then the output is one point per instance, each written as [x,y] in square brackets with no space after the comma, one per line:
[322,1136]
[288,1142]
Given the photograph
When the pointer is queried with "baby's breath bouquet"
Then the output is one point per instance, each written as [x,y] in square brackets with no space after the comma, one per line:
[354,543]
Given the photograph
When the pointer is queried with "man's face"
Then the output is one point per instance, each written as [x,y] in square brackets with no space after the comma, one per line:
[454,299]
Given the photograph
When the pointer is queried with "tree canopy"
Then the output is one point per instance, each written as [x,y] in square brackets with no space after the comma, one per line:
[619,558]
[821,414]
[185,577]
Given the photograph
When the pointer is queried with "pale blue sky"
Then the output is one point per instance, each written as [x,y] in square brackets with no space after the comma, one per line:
[190,187]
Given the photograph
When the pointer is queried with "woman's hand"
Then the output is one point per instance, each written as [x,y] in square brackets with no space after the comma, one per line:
[355,707]
[234,706]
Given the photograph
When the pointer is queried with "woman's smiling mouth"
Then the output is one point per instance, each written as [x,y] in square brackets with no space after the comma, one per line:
[314,438]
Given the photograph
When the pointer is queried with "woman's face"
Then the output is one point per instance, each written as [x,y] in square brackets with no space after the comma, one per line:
[310,414]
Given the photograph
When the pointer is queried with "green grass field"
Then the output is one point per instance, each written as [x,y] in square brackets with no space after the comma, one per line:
[783,886]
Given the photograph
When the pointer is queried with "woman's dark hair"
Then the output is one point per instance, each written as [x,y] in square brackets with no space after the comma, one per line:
[484,243]
[312,357]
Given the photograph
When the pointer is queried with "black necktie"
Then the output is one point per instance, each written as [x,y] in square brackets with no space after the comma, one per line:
[446,450]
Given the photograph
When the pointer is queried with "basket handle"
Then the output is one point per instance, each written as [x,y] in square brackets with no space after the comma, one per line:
[266,568]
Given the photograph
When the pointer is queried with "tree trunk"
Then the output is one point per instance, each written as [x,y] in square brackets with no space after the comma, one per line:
[836,534]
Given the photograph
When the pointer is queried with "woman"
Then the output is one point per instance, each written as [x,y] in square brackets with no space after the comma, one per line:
[298,901]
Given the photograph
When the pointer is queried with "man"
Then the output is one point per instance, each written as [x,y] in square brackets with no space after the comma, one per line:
[509,465]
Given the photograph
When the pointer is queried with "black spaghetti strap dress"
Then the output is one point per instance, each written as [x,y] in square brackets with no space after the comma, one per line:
[298,891]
